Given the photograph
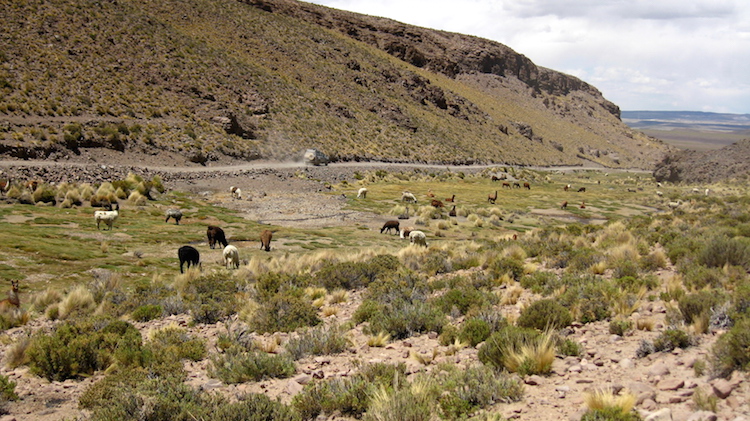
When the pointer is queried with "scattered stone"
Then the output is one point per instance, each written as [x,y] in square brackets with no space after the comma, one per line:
[292,387]
[533,380]
[722,388]
[658,369]
[670,384]
[703,416]
[626,364]
[664,414]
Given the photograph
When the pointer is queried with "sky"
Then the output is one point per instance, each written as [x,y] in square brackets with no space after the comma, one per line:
[660,55]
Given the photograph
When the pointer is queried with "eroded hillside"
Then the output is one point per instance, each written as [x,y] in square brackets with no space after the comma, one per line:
[247,80]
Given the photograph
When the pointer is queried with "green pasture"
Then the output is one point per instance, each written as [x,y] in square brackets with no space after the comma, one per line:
[49,246]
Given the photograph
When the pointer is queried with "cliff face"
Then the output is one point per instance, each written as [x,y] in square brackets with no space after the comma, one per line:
[270,78]
[451,54]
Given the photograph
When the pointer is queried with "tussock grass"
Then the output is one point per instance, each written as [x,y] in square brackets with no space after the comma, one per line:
[601,400]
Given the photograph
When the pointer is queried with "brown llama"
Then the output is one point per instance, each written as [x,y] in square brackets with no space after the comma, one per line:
[564,205]
[436,203]
[265,240]
[451,199]
[492,199]
[12,300]
[527,186]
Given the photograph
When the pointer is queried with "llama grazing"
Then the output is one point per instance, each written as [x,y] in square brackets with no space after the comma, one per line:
[674,205]
[265,240]
[506,184]
[12,300]
[564,205]
[390,225]
[583,205]
[492,199]
[582,190]
[567,187]
[216,235]
[659,193]
[496,178]
[418,238]
[516,185]
[436,203]
[404,233]
[408,197]
[189,255]
[362,193]
[231,257]
[236,193]
[452,212]
[108,217]
[527,186]
[174,213]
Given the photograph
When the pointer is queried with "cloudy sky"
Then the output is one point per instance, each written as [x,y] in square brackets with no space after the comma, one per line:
[678,55]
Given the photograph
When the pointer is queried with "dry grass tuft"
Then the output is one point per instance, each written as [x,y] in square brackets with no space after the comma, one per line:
[605,400]
[380,340]
[80,301]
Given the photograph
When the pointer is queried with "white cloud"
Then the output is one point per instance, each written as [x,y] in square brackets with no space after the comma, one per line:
[642,54]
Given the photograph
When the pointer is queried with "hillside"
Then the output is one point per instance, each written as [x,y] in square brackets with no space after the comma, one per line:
[226,81]
[728,163]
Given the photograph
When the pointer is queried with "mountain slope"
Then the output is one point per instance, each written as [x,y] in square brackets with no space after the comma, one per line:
[728,163]
[268,79]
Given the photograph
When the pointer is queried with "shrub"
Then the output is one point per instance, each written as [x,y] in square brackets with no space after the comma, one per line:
[412,402]
[147,312]
[7,389]
[255,407]
[699,304]
[730,352]
[671,339]
[545,314]
[448,336]
[210,298]
[619,327]
[353,275]
[474,331]
[284,313]
[605,406]
[174,343]
[75,350]
[540,282]
[351,395]
[318,341]
[522,350]
[722,250]
[569,347]
[466,390]
[239,366]
[461,299]
[591,296]
[505,265]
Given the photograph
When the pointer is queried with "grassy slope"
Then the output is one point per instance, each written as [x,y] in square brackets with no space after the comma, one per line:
[165,69]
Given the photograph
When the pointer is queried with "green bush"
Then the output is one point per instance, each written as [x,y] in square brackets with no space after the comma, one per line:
[354,275]
[210,298]
[610,414]
[255,407]
[79,349]
[722,250]
[730,352]
[696,276]
[619,327]
[541,282]
[461,299]
[506,265]
[350,395]
[545,314]
[284,312]
[402,319]
[741,301]
[590,295]
[140,394]
[174,343]
[671,339]
[322,340]
[474,331]
[693,306]
[569,347]
[495,348]
[147,312]
[240,366]
[466,390]
[7,389]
